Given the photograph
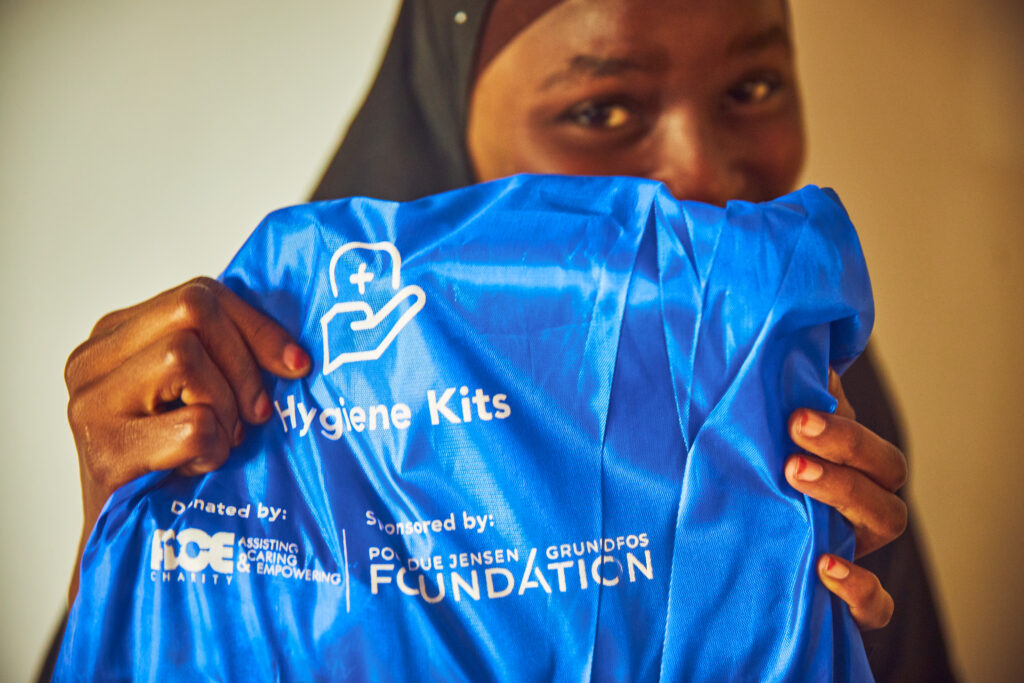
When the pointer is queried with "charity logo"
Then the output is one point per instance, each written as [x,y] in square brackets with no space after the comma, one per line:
[353,331]
[192,550]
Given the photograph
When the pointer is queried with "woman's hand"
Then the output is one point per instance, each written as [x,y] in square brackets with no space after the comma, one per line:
[169,384]
[857,473]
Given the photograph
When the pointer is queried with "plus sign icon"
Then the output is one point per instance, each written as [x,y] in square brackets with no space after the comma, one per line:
[373,306]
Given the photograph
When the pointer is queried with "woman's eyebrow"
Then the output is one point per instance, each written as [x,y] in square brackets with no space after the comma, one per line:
[594,66]
[774,36]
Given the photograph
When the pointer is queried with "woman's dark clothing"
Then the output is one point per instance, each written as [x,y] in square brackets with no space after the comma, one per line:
[408,141]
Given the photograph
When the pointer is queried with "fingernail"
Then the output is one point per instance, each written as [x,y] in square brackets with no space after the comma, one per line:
[808,470]
[239,433]
[834,568]
[262,407]
[811,424]
[295,358]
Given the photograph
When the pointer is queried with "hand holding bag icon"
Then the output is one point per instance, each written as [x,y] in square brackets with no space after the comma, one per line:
[369,334]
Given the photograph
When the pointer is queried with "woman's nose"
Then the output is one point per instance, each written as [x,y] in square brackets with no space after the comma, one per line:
[695,162]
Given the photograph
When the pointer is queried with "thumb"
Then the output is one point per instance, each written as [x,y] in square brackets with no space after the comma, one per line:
[274,349]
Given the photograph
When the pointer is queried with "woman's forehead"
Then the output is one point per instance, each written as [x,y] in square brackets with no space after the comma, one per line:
[701,28]
[684,40]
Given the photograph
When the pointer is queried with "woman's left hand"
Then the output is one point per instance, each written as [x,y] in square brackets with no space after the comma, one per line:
[858,473]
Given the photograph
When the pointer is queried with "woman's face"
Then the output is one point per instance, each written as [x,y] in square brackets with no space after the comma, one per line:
[699,94]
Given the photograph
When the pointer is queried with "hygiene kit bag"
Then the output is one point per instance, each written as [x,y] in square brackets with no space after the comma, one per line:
[543,439]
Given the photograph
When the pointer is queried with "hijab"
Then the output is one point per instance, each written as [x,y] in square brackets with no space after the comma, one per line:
[408,139]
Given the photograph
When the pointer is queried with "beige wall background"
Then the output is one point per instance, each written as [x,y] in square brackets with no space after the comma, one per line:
[914,111]
[140,142]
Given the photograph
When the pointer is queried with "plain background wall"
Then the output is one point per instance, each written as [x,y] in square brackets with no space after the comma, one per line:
[915,111]
[141,142]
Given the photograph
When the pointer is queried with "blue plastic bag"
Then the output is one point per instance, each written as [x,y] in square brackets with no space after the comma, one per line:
[543,439]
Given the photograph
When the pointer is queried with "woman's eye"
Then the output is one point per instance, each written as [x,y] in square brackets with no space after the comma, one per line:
[752,91]
[602,115]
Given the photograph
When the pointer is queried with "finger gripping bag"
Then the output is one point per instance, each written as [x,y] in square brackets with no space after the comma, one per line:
[543,439]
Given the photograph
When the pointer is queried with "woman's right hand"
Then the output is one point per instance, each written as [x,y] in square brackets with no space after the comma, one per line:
[169,384]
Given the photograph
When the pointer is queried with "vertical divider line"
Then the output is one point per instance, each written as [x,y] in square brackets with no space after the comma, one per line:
[344,545]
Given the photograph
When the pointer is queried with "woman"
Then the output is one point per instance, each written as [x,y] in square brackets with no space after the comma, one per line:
[699,94]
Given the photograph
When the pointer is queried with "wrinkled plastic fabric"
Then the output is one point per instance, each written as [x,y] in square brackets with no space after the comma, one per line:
[543,439]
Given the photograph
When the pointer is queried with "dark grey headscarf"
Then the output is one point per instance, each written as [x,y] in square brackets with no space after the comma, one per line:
[409,138]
